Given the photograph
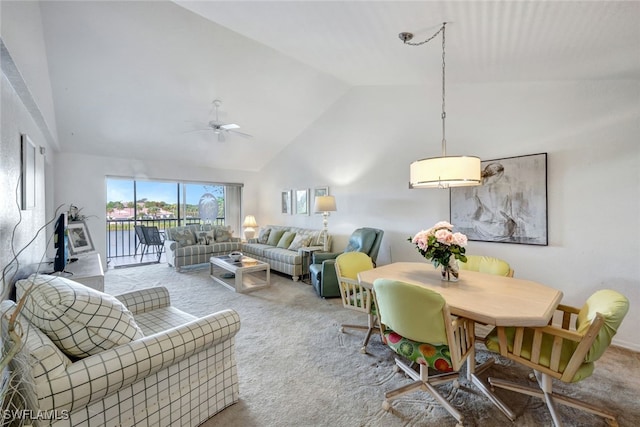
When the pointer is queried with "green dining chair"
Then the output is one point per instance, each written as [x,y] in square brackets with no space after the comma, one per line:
[487,264]
[562,352]
[417,324]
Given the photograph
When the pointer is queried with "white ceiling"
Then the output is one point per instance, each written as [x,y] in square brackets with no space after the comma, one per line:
[130,79]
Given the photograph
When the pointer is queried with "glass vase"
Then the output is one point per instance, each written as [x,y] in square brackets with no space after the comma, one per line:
[450,271]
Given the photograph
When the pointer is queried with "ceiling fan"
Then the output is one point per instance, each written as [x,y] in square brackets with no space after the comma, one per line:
[220,128]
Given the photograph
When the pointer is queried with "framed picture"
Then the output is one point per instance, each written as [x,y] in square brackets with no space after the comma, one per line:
[79,238]
[509,206]
[285,200]
[28,184]
[319,191]
[302,202]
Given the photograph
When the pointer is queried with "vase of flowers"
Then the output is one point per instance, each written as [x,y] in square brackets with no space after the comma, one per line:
[442,247]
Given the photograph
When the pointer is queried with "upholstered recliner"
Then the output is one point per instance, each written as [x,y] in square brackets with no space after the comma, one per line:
[92,359]
[322,268]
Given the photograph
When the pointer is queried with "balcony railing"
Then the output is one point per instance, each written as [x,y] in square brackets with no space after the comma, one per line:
[121,236]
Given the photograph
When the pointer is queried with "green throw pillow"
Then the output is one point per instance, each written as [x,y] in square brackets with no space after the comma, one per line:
[274,237]
[286,239]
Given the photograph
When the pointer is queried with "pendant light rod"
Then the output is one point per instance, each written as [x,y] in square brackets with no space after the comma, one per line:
[442,172]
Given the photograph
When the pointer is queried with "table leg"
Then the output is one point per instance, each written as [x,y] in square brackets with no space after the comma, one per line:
[473,373]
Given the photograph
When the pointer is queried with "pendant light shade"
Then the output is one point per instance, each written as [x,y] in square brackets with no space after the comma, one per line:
[444,172]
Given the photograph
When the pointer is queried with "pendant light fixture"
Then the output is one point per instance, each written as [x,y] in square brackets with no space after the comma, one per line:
[445,171]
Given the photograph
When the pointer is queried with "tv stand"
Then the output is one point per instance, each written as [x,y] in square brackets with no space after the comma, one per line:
[86,270]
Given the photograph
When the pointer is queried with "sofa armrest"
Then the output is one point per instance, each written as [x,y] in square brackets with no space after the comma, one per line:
[320,257]
[252,240]
[94,377]
[171,245]
[145,300]
[236,239]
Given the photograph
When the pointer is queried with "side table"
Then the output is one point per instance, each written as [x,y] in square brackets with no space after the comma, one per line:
[307,254]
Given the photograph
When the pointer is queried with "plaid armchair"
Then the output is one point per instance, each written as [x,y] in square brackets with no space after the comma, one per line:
[181,372]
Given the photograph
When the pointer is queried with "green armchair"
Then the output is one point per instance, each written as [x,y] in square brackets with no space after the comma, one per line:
[322,268]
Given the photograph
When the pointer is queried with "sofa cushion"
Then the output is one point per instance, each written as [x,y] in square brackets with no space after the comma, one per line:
[286,239]
[257,249]
[274,237]
[300,241]
[79,320]
[194,250]
[184,236]
[263,236]
[223,234]
[284,256]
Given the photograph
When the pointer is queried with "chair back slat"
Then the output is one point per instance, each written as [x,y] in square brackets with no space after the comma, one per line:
[354,295]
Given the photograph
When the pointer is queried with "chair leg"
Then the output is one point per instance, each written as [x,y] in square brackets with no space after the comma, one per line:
[373,326]
[545,392]
[422,381]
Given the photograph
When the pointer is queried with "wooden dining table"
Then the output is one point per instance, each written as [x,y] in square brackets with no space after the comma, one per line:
[483,298]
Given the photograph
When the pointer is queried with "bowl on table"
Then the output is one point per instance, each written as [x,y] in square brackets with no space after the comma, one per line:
[235,256]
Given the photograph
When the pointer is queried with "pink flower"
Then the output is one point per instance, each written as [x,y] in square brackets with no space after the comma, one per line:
[443,224]
[421,239]
[459,239]
[444,236]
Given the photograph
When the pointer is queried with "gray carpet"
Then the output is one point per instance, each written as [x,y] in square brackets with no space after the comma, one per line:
[296,369]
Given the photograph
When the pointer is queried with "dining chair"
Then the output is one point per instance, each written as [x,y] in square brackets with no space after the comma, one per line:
[354,295]
[417,324]
[562,352]
[487,264]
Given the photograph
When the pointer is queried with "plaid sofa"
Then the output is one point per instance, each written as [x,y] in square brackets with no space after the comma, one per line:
[283,259]
[182,372]
[190,244]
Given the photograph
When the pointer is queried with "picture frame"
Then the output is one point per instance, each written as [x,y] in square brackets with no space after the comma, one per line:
[79,238]
[302,202]
[28,173]
[285,201]
[319,191]
[510,206]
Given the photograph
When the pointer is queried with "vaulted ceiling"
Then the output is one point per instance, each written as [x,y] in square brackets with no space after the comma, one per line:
[137,79]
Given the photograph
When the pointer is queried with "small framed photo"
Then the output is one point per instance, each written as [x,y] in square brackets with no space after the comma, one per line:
[319,191]
[285,199]
[28,184]
[302,202]
[79,238]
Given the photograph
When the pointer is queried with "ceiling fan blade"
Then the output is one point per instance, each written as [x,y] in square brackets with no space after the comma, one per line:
[220,137]
[235,132]
[229,126]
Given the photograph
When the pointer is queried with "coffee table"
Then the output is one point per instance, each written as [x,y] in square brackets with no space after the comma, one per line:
[245,275]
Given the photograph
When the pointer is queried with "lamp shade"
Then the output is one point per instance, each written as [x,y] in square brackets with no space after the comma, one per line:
[249,221]
[324,204]
[444,172]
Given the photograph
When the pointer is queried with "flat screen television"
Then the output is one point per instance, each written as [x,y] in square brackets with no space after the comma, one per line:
[60,243]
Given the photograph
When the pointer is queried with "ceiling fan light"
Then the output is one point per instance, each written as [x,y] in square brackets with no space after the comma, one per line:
[445,172]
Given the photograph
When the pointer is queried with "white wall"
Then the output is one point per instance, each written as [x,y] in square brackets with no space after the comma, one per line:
[25,102]
[363,145]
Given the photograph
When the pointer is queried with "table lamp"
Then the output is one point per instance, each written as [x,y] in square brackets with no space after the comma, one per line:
[249,224]
[325,204]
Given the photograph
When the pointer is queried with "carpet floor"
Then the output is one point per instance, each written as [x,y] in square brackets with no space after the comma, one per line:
[296,369]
